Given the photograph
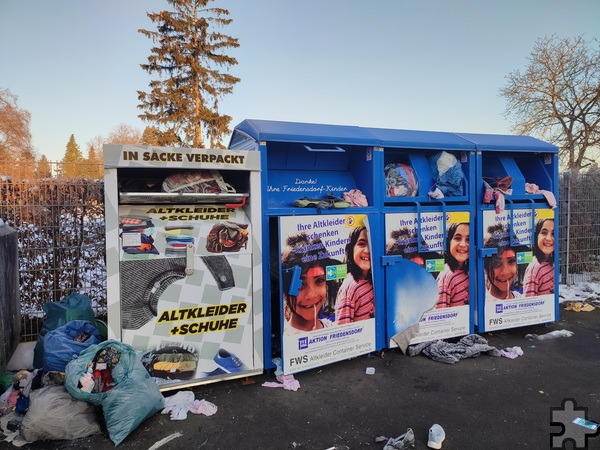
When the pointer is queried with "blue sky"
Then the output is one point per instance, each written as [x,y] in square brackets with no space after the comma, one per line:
[411,64]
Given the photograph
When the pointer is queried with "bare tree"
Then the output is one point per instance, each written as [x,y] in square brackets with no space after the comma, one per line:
[124,134]
[120,134]
[557,98]
[97,142]
[15,137]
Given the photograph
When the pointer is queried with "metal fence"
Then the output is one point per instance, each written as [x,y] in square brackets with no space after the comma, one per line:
[579,232]
[60,225]
[61,240]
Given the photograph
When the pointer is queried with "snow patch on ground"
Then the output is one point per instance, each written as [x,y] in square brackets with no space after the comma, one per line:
[581,291]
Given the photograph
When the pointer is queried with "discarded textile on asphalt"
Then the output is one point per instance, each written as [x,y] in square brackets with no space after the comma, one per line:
[403,441]
[511,352]
[551,335]
[287,382]
[179,404]
[10,428]
[128,395]
[16,396]
[469,346]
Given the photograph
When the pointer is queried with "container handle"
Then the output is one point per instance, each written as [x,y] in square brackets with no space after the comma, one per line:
[327,150]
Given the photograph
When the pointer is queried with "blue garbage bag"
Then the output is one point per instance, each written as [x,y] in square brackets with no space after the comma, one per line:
[56,314]
[65,343]
[134,396]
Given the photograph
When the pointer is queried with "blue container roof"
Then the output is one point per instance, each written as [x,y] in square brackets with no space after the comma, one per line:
[513,143]
[278,131]
[270,130]
[420,139]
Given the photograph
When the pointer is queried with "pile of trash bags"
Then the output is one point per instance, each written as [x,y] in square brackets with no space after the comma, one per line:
[77,374]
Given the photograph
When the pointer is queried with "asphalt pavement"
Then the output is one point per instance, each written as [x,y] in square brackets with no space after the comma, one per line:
[481,403]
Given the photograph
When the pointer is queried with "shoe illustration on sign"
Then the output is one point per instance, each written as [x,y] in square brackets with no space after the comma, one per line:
[229,362]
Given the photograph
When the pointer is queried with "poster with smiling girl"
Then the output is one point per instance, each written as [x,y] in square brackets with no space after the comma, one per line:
[518,268]
[427,276]
[326,287]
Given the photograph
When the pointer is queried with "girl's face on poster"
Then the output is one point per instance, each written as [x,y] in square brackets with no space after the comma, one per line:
[361,253]
[545,240]
[504,270]
[459,246]
[312,293]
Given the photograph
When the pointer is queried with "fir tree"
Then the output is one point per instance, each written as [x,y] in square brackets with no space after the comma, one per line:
[93,164]
[42,168]
[71,162]
[153,136]
[188,58]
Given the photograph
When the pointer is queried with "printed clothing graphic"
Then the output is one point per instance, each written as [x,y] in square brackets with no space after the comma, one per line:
[539,278]
[142,284]
[146,246]
[355,301]
[141,229]
[221,270]
[227,237]
[177,239]
[453,288]
[171,362]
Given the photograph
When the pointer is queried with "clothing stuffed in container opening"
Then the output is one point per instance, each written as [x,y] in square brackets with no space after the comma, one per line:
[400,180]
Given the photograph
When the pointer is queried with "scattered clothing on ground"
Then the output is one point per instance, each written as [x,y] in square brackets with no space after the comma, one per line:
[511,352]
[403,441]
[182,402]
[551,335]
[287,382]
[469,346]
